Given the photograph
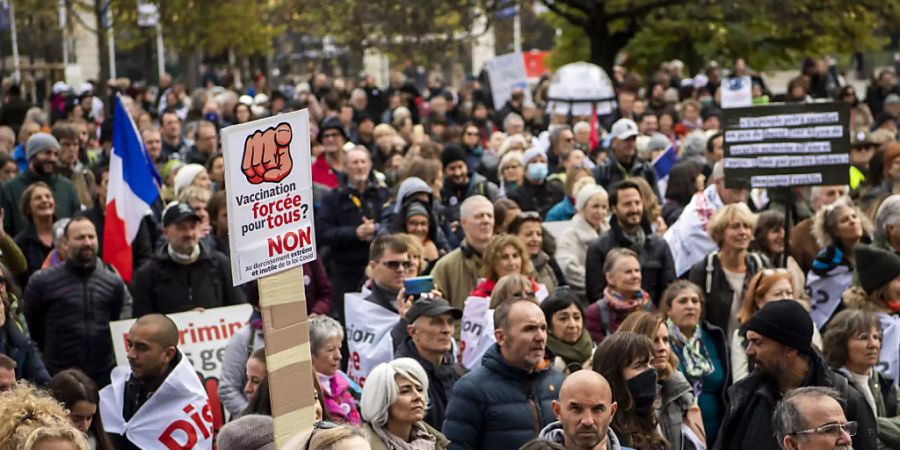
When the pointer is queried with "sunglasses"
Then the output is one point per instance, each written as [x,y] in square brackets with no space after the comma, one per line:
[394,265]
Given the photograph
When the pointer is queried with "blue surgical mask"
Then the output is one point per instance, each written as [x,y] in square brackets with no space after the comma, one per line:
[537,171]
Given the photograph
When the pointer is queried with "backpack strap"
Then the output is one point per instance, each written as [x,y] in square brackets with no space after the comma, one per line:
[603,308]
[710,267]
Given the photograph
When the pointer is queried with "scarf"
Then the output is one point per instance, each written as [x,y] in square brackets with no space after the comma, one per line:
[572,354]
[420,439]
[694,357]
[618,302]
[184,259]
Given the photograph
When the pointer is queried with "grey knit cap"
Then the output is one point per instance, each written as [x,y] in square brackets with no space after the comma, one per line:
[250,432]
[38,142]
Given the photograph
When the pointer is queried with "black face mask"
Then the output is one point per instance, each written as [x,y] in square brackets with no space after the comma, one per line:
[643,390]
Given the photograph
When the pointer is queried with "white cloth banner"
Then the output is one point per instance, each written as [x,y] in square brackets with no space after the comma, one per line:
[476,335]
[507,72]
[176,417]
[737,92]
[687,237]
[368,328]
[825,293]
[889,361]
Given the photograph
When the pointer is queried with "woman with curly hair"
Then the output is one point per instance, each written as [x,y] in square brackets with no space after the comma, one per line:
[30,419]
[504,255]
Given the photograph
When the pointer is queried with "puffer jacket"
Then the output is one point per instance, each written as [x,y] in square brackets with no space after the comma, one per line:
[497,406]
[657,265]
[164,286]
[68,309]
[20,348]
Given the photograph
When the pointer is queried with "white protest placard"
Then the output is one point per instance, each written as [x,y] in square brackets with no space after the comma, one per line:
[203,336]
[737,92]
[476,334]
[269,185]
[369,341]
[889,359]
[825,293]
[507,72]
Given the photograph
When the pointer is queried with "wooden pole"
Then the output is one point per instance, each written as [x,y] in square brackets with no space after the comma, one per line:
[282,300]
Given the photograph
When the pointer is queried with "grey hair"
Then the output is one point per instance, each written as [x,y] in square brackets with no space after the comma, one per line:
[787,418]
[381,391]
[510,118]
[468,206]
[817,191]
[825,222]
[581,126]
[321,330]
[888,214]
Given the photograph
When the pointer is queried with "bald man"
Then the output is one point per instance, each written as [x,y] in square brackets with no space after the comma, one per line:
[156,371]
[584,409]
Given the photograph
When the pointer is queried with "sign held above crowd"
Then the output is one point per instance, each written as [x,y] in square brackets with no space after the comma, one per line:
[787,145]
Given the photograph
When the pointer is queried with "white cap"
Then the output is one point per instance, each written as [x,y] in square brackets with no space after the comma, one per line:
[85,87]
[59,87]
[245,99]
[624,129]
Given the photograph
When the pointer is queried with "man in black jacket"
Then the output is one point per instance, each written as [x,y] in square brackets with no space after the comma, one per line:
[629,228]
[347,222]
[780,340]
[69,306]
[429,342]
[184,274]
[623,161]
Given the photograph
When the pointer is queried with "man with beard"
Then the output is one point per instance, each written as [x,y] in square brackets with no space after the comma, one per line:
[68,307]
[780,341]
[629,228]
[811,418]
[460,184]
[623,161]
[585,409]
[42,151]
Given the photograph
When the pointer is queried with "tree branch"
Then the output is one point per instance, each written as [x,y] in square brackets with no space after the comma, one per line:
[642,10]
[571,18]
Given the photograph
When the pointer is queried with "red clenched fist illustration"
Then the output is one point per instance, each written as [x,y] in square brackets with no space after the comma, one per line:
[267,155]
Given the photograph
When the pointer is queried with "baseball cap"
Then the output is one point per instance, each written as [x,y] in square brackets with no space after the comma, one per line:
[624,129]
[861,138]
[178,212]
[891,99]
[430,307]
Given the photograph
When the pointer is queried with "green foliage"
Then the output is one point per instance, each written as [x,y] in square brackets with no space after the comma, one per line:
[569,45]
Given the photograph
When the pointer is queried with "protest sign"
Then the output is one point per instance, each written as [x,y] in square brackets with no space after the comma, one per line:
[203,336]
[369,341]
[268,177]
[803,144]
[269,185]
[889,359]
[825,293]
[507,72]
[737,92]
[476,334]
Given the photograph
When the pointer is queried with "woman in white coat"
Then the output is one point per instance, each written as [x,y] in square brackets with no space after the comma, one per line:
[589,222]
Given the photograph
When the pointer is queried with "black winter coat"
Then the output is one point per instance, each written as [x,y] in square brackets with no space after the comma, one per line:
[34,250]
[611,172]
[538,197]
[497,406]
[441,380]
[68,309]
[163,286]
[657,265]
[342,210]
[21,349]
[710,276]
[748,421]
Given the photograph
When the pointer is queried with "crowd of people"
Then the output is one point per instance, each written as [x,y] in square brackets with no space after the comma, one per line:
[624,308]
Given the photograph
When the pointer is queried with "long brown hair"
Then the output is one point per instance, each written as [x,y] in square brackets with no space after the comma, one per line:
[610,359]
[648,323]
[72,386]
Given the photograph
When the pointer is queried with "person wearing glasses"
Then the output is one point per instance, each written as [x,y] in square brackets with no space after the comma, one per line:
[853,348]
[799,413]
[510,172]
[780,340]
[766,286]
[701,348]
[328,166]
[394,401]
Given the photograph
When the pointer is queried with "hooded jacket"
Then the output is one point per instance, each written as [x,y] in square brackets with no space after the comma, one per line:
[748,420]
[554,433]
[498,406]
[393,216]
[657,265]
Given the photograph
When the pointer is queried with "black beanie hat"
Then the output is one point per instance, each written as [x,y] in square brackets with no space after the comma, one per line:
[452,152]
[876,267]
[785,322]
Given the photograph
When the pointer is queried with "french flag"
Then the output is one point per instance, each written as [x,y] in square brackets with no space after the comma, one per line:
[662,165]
[132,189]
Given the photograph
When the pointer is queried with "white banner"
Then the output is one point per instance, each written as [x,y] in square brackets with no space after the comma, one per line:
[203,339]
[269,183]
[737,92]
[176,417]
[369,342]
[825,293]
[889,362]
[476,334]
[507,72]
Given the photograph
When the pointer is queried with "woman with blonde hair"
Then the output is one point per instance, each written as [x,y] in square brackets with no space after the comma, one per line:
[724,273]
[503,255]
[510,171]
[30,419]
